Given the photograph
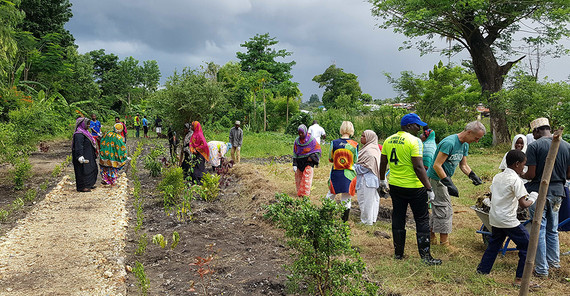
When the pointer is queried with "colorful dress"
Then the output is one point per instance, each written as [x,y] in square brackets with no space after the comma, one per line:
[343,155]
[217,151]
[306,154]
[113,155]
[200,153]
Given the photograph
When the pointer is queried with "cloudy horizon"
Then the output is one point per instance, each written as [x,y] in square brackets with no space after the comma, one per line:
[182,33]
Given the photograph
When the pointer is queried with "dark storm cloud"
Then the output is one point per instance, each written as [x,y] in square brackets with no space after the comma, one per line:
[188,33]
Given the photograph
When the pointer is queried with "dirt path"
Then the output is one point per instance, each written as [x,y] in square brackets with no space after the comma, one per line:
[70,244]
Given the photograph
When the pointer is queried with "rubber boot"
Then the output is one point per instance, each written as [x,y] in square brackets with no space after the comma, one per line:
[345,215]
[424,249]
[399,236]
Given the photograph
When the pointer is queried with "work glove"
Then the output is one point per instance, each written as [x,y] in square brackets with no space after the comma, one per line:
[451,189]
[431,195]
[476,180]
[82,159]
[532,197]
[294,168]
[383,189]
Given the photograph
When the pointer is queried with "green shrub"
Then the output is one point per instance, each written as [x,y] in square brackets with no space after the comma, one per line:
[143,281]
[210,187]
[21,172]
[143,242]
[325,261]
[30,195]
[171,186]
[4,215]
[295,121]
[152,162]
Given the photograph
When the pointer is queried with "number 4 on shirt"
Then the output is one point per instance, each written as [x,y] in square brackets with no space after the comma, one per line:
[393,156]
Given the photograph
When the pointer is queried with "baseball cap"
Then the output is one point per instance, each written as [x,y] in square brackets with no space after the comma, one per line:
[412,118]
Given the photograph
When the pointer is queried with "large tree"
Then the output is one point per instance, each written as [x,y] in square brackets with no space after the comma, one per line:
[336,83]
[47,17]
[485,28]
[10,17]
[261,55]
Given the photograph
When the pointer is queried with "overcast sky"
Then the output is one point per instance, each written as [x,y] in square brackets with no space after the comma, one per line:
[188,33]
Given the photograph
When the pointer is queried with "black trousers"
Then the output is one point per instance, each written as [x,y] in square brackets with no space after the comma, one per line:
[417,199]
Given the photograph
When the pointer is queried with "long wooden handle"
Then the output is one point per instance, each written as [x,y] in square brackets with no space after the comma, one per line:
[537,219]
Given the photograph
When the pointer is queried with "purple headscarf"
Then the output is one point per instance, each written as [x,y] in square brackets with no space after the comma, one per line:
[81,128]
[308,146]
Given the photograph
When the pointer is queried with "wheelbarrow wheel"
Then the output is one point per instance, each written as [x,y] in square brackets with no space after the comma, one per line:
[486,237]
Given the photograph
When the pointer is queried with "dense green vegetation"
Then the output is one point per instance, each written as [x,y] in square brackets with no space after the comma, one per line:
[45,83]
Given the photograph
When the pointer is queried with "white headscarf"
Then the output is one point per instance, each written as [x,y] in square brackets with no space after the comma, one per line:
[516,138]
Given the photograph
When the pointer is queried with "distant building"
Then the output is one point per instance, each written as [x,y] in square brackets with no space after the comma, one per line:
[483,111]
[407,106]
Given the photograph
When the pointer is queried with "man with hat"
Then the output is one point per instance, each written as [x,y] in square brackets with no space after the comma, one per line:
[236,139]
[408,185]
[450,153]
[548,251]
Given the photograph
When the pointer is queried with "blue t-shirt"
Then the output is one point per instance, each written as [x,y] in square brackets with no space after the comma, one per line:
[96,127]
[455,151]
[145,122]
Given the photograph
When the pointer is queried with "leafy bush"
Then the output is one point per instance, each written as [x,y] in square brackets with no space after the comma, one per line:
[152,161]
[296,120]
[30,195]
[324,259]
[210,187]
[171,186]
[144,283]
[21,172]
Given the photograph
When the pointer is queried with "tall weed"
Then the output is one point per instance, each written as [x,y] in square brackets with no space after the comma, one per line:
[21,172]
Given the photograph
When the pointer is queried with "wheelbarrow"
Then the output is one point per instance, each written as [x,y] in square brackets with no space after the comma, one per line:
[485,229]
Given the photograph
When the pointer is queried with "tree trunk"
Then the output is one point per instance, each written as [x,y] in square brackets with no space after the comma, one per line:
[287,117]
[491,77]
[264,114]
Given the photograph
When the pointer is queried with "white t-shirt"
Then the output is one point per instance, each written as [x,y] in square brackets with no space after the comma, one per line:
[316,131]
[506,190]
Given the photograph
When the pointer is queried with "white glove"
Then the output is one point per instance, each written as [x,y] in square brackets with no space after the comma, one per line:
[294,168]
[384,183]
[82,159]
[128,158]
[431,195]
[532,196]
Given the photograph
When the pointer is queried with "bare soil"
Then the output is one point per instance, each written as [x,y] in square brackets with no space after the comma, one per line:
[248,253]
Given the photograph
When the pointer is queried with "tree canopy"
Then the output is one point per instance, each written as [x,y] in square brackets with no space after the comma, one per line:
[487,29]
[336,83]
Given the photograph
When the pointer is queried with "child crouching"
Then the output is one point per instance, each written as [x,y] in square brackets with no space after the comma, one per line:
[507,193]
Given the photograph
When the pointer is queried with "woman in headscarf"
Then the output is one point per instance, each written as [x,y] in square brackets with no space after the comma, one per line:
[519,143]
[184,159]
[200,153]
[367,171]
[428,137]
[343,155]
[84,152]
[306,154]
[113,155]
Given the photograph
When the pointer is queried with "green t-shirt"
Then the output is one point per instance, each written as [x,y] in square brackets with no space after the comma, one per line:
[399,148]
[455,151]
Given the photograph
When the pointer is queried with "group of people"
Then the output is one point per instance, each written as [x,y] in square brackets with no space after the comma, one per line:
[89,144]
[196,151]
[420,175]
[110,149]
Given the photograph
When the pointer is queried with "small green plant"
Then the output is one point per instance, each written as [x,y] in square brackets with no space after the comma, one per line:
[143,281]
[140,215]
[158,239]
[18,203]
[203,270]
[210,187]
[171,186]
[21,172]
[324,259]
[143,242]
[30,195]
[175,240]
[44,185]
[56,170]
[152,163]
[4,215]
